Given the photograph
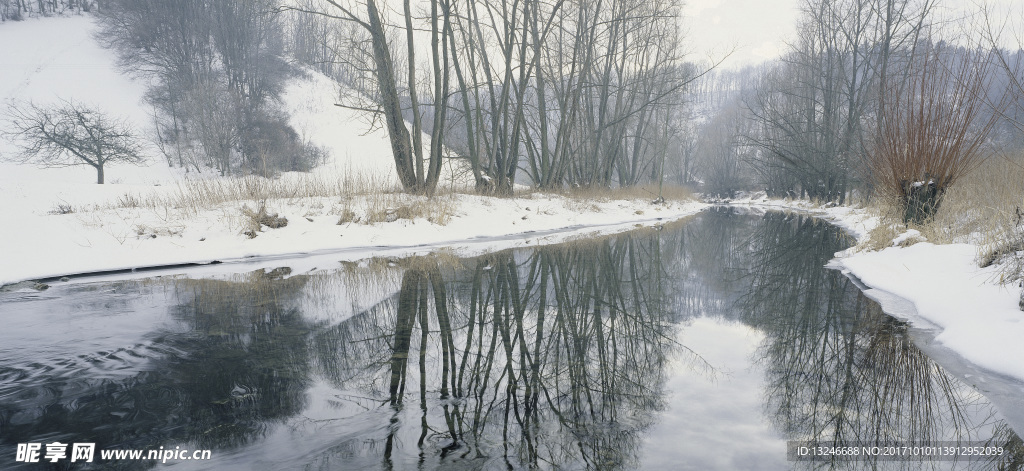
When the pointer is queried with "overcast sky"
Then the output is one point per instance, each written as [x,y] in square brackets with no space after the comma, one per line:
[759,29]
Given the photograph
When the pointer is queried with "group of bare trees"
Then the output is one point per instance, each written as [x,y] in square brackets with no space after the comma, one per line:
[815,106]
[571,92]
[219,67]
[869,97]
[579,93]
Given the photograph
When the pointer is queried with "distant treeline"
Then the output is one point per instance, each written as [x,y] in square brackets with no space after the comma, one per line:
[868,97]
[17,10]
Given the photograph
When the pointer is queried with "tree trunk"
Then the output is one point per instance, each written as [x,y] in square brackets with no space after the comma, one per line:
[397,132]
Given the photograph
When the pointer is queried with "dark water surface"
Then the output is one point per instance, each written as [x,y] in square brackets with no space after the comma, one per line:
[705,344]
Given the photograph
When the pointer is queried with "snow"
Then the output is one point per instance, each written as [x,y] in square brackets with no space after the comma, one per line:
[57,58]
[126,238]
[856,221]
[357,149]
[907,237]
[976,317]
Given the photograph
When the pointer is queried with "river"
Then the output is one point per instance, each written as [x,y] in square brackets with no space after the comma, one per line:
[709,343]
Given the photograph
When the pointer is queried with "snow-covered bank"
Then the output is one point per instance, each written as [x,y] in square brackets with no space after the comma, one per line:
[972,313]
[48,245]
[938,288]
[46,60]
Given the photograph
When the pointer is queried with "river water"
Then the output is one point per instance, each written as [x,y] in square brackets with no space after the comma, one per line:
[704,344]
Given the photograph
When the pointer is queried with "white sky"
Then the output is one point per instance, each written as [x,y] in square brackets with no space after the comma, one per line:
[759,29]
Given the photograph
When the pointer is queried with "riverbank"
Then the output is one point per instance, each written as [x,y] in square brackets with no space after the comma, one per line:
[125,227]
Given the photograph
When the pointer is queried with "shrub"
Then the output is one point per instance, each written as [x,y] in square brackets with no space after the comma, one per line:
[62,208]
[930,129]
[259,218]
[276,147]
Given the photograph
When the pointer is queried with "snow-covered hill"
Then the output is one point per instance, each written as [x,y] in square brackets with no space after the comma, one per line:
[53,59]
[45,60]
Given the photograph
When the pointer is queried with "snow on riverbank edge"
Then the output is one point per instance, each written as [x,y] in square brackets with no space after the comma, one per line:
[46,246]
[938,288]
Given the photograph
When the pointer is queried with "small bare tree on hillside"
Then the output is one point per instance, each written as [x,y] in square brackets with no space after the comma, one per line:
[931,129]
[71,134]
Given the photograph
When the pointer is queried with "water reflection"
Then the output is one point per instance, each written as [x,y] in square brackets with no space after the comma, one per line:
[839,369]
[552,357]
[231,362]
[556,357]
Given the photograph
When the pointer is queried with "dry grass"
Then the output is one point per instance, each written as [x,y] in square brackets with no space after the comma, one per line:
[890,212]
[355,199]
[392,207]
[62,208]
[985,208]
[194,196]
[128,200]
[205,194]
[882,235]
[256,219]
[352,199]
[582,200]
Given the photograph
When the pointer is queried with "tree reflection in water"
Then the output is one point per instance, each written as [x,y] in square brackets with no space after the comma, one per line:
[557,357]
[838,368]
[552,357]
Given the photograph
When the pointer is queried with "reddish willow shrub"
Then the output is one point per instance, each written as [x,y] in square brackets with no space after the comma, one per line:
[931,128]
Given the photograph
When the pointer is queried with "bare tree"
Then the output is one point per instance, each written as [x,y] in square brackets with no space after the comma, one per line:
[71,134]
[931,131]
[376,60]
